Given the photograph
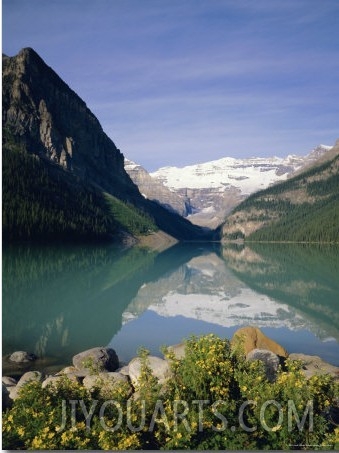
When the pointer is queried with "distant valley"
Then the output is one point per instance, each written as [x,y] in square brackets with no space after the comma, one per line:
[206,193]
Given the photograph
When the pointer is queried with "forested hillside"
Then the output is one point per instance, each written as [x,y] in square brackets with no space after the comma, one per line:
[304,208]
[43,202]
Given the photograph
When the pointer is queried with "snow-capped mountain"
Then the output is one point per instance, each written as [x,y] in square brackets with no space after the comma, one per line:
[214,188]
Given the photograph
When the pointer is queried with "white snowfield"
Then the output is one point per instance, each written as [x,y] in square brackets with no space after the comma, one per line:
[248,175]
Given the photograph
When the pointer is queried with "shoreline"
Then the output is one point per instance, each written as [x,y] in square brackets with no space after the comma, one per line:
[49,367]
[158,241]
[164,403]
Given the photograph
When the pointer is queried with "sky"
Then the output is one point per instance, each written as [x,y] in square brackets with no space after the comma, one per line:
[179,82]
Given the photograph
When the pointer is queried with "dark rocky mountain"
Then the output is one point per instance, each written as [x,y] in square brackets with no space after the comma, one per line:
[52,122]
[47,123]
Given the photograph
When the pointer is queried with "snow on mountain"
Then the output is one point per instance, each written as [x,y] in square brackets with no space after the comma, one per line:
[206,193]
[247,175]
[212,189]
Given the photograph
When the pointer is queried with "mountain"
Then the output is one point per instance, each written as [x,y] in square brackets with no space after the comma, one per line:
[154,190]
[213,189]
[63,176]
[304,208]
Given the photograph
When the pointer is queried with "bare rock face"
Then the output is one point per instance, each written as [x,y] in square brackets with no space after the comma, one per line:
[253,338]
[154,190]
[51,121]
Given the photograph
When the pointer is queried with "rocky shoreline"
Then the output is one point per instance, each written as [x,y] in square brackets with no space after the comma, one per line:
[101,364]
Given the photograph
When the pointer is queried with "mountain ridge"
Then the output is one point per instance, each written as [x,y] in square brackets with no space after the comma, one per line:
[45,119]
[211,190]
[304,208]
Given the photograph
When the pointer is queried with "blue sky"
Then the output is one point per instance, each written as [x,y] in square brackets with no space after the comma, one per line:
[175,82]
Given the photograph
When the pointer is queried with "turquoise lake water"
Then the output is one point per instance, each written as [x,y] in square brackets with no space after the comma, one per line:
[58,301]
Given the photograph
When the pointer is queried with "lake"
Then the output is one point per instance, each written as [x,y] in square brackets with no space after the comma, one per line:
[60,300]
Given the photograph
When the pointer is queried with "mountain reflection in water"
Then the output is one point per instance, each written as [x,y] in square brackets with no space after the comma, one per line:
[288,291]
[58,301]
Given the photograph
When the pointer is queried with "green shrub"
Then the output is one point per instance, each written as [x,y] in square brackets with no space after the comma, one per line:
[214,399]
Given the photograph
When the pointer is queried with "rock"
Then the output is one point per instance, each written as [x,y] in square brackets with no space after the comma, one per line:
[30,376]
[13,392]
[6,399]
[8,381]
[22,357]
[178,350]
[314,365]
[68,370]
[72,371]
[124,370]
[96,360]
[44,111]
[55,380]
[270,360]
[105,382]
[155,190]
[253,338]
[159,368]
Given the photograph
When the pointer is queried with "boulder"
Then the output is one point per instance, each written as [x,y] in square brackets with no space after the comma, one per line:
[72,371]
[124,370]
[22,357]
[270,360]
[96,360]
[30,376]
[6,399]
[8,381]
[68,370]
[14,392]
[178,350]
[159,368]
[314,365]
[53,381]
[253,338]
[105,382]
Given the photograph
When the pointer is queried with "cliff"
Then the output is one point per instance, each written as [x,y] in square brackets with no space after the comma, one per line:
[52,122]
[154,190]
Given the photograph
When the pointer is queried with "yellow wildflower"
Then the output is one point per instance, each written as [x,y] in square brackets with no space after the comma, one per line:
[21,431]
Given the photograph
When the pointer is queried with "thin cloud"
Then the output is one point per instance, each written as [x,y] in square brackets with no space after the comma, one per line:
[177,81]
